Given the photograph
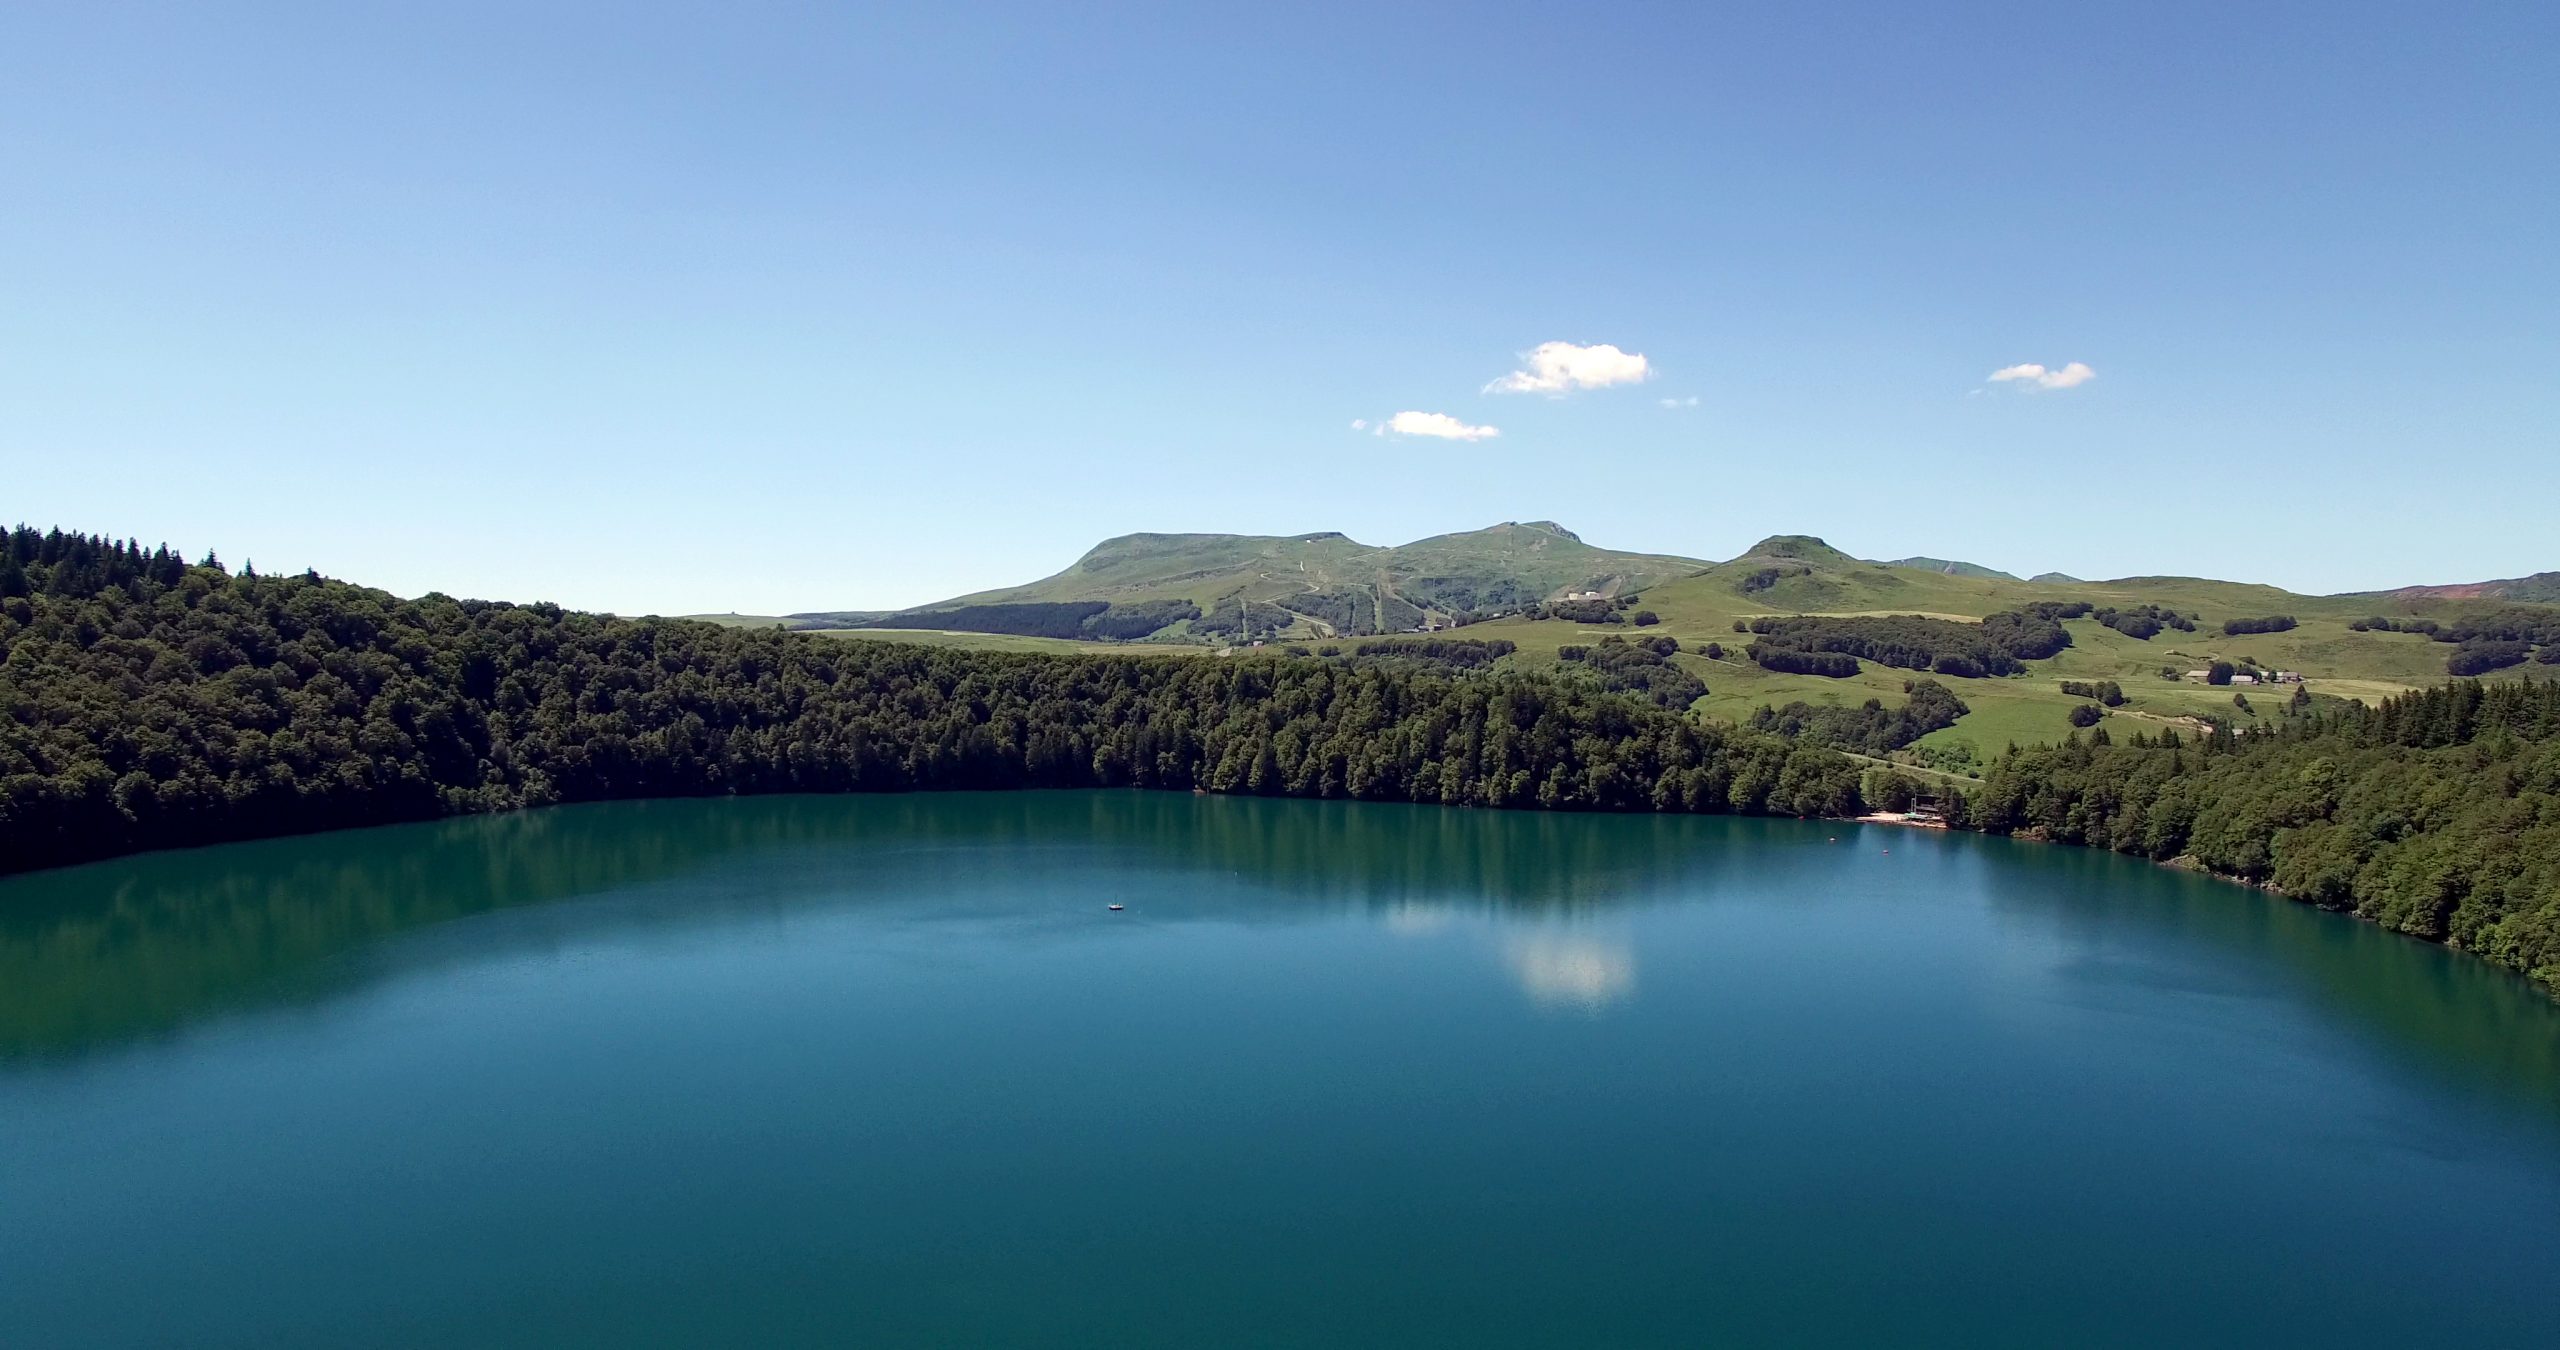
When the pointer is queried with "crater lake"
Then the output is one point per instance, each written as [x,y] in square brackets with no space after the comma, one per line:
[893,1070]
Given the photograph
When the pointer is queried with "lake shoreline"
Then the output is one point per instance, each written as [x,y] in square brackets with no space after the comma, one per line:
[2549,989]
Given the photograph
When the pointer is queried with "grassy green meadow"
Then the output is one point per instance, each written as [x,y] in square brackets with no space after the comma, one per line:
[2031,708]
[1699,603]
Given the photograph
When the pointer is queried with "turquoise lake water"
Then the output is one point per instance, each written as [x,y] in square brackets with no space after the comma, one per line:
[888,1071]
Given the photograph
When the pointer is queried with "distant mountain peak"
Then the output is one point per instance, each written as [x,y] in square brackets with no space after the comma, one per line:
[1803,547]
[1550,527]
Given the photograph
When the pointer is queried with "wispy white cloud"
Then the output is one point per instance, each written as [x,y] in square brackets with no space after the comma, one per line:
[1439,426]
[1562,367]
[2036,376]
[1689,402]
[1359,424]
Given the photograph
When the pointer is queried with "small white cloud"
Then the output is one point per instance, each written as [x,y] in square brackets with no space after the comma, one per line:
[1359,424]
[1439,426]
[2076,373]
[1689,402]
[1561,367]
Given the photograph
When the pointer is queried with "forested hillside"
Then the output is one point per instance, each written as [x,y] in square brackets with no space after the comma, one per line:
[151,703]
[2436,814]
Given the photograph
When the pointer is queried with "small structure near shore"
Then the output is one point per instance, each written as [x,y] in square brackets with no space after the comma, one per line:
[1928,811]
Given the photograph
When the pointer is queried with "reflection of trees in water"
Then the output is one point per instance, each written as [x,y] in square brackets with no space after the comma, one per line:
[93,954]
[2138,923]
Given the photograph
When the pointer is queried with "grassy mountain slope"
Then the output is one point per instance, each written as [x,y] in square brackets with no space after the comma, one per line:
[1799,574]
[1952,567]
[1196,567]
[1316,585]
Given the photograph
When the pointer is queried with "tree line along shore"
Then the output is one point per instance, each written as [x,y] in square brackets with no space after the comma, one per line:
[151,702]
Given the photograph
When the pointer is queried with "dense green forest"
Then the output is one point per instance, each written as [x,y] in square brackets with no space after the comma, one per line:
[2001,644]
[1450,653]
[2485,639]
[2277,623]
[1870,728]
[1642,666]
[2144,621]
[1355,611]
[2436,814]
[1123,622]
[1798,661]
[151,703]
[1239,618]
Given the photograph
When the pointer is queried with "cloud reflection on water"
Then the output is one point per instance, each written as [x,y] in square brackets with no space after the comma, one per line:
[1410,920]
[1576,970]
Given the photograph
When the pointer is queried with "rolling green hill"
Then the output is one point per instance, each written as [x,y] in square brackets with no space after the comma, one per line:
[1800,575]
[1221,586]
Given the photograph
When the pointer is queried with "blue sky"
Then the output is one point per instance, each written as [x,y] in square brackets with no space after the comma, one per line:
[774,307]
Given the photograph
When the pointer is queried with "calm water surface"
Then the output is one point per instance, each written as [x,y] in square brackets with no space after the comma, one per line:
[887,1071]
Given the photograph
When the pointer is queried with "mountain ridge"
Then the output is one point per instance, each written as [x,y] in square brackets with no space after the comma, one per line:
[1317,583]
[1324,583]
[2541,588]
